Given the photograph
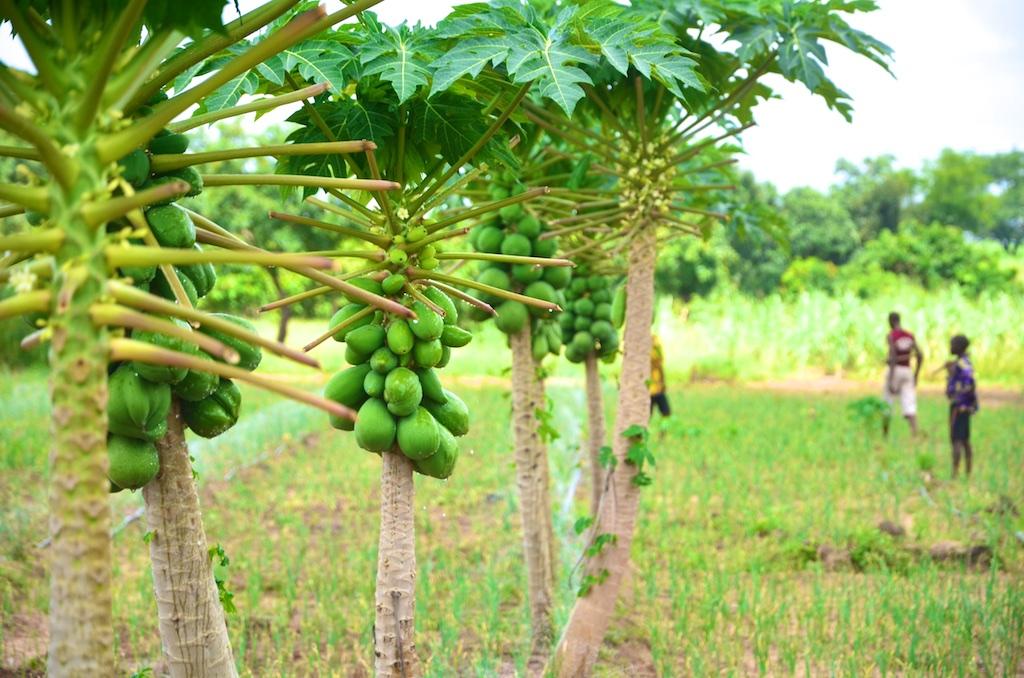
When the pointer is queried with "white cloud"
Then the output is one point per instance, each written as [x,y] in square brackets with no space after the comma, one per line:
[957,66]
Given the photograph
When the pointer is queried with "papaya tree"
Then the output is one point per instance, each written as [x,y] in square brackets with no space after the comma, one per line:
[558,43]
[668,151]
[108,272]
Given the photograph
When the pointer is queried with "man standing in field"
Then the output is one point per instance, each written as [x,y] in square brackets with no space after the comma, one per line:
[963,402]
[900,380]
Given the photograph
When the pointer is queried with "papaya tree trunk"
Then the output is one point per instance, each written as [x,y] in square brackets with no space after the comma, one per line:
[534,503]
[81,615]
[192,628]
[393,629]
[286,311]
[592,613]
[551,557]
[595,430]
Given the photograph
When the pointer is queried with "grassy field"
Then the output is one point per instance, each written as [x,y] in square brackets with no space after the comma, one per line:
[758,549]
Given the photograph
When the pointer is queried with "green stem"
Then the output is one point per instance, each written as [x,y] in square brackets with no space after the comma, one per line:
[694,150]
[118,144]
[610,117]
[170,162]
[128,349]
[382,198]
[476,148]
[48,240]
[36,301]
[264,104]
[37,50]
[119,316]
[107,55]
[32,197]
[347,322]
[420,274]
[233,33]
[415,294]
[505,258]
[362,209]
[132,296]
[214,180]
[356,217]
[487,208]
[576,140]
[600,214]
[96,213]
[547,235]
[10,211]
[138,69]
[60,166]
[441,196]
[118,256]
[459,294]
[378,240]
[20,152]
[436,237]
[317,291]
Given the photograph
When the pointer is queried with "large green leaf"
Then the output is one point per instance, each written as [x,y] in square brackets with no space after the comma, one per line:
[400,56]
[455,123]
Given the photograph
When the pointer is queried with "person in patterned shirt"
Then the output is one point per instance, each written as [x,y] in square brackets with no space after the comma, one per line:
[963,402]
[656,385]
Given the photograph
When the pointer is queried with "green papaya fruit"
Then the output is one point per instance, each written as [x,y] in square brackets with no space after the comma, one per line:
[373,384]
[343,314]
[510,213]
[249,355]
[164,374]
[446,355]
[375,427]
[574,354]
[171,226]
[168,144]
[529,226]
[517,245]
[135,167]
[428,325]
[539,347]
[393,284]
[400,337]
[619,307]
[566,320]
[543,291]
[368,284]
[196,385]
[602,296]
[440,464]
[545,248]
[557,276]
[597,282]
[495,277]
[153,182]
[160,287]
[452,414]
[132,462]
[402,391]
[427,353]
[497,192]
[418,434]
[137,408]
[203,276]
[603,311]
[140,275]
[451,313]
[215,413]
[581,322]
[455,336]
[192,176]
[354,357]
[578,286]
[346,388]
[512,317]
[383,360]
[602,331]
[431,385]
[584,307]
[583,342]
[366,339]
[490,240]
[527,273]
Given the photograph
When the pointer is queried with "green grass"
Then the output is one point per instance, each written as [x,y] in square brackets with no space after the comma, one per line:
[728,579]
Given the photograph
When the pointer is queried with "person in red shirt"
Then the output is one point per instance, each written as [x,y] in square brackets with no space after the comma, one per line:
[900,380]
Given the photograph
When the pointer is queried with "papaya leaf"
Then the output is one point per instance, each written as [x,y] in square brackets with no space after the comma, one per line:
[401,56]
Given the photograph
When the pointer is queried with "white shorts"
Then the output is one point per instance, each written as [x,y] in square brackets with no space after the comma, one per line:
[903,385]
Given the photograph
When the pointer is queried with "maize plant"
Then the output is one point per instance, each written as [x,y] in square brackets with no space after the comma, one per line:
[108,271]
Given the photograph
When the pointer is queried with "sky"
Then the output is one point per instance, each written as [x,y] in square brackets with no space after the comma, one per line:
[958,68]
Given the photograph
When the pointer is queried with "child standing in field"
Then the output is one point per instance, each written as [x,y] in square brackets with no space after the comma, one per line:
[656,386]
[900,380]
[963,402]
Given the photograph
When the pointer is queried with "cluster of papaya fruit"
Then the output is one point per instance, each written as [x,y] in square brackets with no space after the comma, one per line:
[140,394]
[515,232]
[393,382]
[594,311]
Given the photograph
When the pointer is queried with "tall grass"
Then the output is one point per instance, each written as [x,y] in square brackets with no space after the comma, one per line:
[737,337]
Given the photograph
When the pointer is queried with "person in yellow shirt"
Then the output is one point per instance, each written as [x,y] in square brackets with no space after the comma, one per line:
[656,385]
